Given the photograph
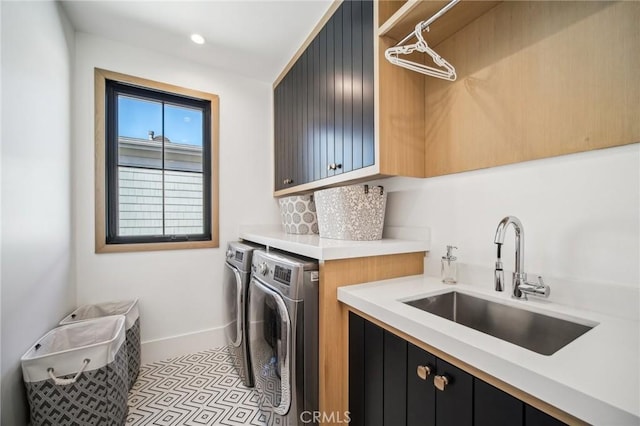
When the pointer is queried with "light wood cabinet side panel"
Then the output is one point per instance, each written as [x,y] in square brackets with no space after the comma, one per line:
[400,117]
[386,9]
[333,317]
[535,80]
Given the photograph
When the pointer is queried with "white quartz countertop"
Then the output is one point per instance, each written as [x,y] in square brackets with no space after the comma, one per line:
[326,249]
[595,378]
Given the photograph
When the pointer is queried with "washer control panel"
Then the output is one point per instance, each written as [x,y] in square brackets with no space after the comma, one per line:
[282,272]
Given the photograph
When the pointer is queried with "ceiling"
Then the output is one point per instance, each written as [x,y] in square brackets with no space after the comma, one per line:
[254,38]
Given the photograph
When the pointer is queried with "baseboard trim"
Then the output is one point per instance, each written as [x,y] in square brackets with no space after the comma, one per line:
[184,344]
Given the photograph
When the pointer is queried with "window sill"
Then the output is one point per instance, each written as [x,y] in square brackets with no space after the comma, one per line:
[180,245]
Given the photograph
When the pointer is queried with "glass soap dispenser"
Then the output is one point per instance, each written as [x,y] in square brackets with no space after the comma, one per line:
[449,269]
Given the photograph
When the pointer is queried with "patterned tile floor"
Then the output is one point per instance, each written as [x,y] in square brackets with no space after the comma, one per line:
[197,389]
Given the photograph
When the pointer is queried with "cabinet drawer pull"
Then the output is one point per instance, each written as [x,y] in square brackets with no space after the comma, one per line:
[287,181]
[423,371]
[334,166]
[440,382]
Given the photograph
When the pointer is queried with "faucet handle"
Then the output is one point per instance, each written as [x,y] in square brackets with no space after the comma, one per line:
[539,289]
[499,277]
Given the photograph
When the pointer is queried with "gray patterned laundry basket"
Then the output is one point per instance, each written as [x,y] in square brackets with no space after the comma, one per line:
[353,212]
[298,214]
[77,374]
[128,308]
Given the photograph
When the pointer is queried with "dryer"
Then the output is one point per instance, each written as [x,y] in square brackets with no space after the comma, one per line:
[283,335]
[236,276]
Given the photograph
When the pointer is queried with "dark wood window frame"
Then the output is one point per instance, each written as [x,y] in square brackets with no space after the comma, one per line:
[108,82]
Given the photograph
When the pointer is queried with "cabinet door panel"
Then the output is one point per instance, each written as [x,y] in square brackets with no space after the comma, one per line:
[368,142]
[535,417]
[421,408]
[395,380]
[356,369]
[286,128]
[316,107]
[347,88]
[454,405]
[288,169]
[331,72]
[373,373]
[338,131]
[356,83]
[278,136]
[301,160]
[302,125]
[308,139]
[295,119]
[322,112]
[493,407]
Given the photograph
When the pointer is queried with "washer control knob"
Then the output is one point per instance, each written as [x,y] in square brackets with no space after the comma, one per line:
[263,268]
[229,253]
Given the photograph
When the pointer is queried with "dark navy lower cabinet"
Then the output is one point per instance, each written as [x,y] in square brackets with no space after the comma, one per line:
[454,395]
[493,407]
[395,380]
[421,399]
[373,373]
[394,383]
[356,370]
[535,417]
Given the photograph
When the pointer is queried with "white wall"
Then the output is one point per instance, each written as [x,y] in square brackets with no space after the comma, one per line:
[581,216]
[37,280]
[1,168]
[180,291]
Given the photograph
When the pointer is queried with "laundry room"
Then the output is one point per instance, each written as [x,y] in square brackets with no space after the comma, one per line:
[287,212]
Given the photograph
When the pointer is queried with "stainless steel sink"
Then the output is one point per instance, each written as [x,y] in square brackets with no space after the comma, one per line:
[537,332]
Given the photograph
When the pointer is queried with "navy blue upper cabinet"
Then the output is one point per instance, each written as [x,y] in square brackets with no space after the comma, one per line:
[324,104]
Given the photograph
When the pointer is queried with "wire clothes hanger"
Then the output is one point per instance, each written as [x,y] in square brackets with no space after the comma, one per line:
[447,72]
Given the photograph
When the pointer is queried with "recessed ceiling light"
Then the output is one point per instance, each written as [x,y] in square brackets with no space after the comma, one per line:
[197,38]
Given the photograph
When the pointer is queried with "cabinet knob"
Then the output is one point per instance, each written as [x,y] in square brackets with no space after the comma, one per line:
[287,181]
[334,166]
[423,371]
[440,382]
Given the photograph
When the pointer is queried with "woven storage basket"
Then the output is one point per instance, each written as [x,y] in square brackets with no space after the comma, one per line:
[77,374]
[353,212]
[128,308]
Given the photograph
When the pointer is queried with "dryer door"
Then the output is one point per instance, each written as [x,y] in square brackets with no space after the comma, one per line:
[270,346]
[232,288]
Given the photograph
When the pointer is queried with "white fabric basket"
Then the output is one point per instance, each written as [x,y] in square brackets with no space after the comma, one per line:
[77,374]
[128,308]
[65,348]
[353,212]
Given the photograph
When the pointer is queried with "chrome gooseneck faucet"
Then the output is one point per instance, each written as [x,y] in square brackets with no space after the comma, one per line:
[520,286]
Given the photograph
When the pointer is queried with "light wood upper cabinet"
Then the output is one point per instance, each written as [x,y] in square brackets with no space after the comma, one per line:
[536,79]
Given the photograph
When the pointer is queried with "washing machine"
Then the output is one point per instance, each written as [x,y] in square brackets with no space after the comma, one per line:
[283,335]
[236,276]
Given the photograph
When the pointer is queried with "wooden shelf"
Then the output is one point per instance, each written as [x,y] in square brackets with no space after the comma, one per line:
[405,19]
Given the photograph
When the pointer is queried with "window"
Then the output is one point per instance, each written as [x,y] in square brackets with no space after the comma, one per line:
[156,165]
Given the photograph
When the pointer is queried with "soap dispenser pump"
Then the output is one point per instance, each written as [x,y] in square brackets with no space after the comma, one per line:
[449,269]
